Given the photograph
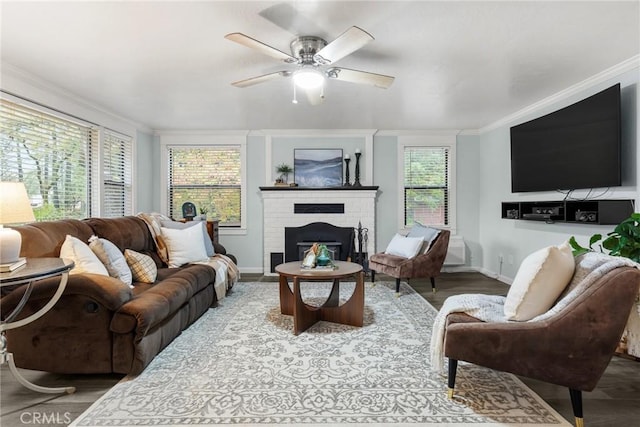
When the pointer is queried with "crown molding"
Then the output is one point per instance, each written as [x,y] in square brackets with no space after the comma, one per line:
[201,132]
[335,133]
[418,132]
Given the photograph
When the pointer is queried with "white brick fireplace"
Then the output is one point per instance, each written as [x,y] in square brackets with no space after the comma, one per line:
[279,211]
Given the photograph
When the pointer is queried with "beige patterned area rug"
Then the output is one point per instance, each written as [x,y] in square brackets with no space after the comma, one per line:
[241,364]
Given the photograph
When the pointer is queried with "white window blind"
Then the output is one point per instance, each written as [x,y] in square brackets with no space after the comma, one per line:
[117,175]
[209,177]
[68,171]
[426,185]
[51,156]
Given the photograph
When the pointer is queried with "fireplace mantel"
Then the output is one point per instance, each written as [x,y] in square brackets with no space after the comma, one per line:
[287,188]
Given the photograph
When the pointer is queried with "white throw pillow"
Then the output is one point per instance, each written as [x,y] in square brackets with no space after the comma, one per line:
[184,245]
[406,247]
[429,234]
[112,258]
[540,280]
[200,224]
[80,253]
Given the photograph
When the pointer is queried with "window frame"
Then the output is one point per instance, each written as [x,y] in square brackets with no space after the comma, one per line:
[95,166]
[127,185]
[199,140]
[428,140]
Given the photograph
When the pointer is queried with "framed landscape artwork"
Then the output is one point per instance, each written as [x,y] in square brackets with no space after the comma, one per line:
[317,167]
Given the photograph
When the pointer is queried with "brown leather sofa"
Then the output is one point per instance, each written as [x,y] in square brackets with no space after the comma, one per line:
[101,325]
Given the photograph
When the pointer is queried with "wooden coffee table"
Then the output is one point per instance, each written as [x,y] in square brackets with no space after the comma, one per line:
[304,315]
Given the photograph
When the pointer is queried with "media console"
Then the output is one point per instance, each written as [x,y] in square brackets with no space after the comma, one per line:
[603,212]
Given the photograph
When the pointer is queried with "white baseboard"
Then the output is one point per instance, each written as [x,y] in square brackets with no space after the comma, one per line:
[251,270]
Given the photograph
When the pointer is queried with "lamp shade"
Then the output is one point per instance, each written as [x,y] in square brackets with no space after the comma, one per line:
[15,206]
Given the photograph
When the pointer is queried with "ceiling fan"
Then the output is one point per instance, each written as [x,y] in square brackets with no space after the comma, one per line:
[314,59]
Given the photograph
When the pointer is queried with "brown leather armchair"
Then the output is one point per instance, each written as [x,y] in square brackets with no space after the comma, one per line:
[571,348]
[427,264]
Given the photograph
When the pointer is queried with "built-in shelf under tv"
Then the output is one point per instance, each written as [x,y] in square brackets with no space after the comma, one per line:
[573,148]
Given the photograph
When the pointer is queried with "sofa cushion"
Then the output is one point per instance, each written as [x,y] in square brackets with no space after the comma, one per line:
[44,239]
[83,257]
[541,278]
[163,299]
[387,260]
[112,258]
[184,246]
[407,247]
[143,268]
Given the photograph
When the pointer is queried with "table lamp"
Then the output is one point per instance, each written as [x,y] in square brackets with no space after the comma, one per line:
[15,207]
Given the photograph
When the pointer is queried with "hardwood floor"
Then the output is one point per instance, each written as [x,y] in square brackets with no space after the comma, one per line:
[614,402]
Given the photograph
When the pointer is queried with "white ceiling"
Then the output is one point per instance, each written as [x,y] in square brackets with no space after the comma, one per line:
[458,65]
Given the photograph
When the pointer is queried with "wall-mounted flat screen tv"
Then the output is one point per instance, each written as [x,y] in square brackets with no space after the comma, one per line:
[576,147]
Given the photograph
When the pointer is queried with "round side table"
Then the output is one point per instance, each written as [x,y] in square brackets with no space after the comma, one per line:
[34,269]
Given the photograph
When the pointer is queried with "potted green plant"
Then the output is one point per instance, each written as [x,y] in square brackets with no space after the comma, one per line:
[284,170]
[623,241]
[203,212]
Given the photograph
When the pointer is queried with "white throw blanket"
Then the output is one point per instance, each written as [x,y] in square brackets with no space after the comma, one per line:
[489,308]
[227,273]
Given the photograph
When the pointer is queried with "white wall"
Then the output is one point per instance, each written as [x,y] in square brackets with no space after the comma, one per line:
[385,175]
[144,172]
[468,197]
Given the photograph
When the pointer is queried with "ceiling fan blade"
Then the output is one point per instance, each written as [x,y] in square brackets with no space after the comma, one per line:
[290,18]
[261,79]
[349,41]
[361,77]
[315,96]
[261,47]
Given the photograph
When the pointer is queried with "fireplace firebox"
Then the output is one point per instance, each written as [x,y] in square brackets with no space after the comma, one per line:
[338,239]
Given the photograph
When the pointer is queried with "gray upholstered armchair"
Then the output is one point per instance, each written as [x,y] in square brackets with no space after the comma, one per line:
[427,264]
[570,347]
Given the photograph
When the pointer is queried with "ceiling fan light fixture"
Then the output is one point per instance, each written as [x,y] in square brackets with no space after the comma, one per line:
[308,78]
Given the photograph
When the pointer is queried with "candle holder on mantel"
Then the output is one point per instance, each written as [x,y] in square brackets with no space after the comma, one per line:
[356,183]
[346,172]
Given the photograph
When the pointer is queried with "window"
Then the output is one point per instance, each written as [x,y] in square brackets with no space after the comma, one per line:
[427,188]
[209,177]
[116,169]
[58,160]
